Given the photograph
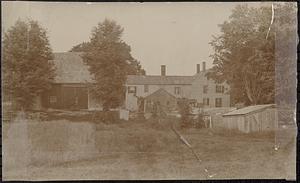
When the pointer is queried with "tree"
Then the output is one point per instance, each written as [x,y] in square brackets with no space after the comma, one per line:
[245,56]
[110,61]
[26,71]
[82,47]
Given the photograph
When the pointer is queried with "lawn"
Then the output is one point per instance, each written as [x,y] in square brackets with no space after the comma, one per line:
[62,149]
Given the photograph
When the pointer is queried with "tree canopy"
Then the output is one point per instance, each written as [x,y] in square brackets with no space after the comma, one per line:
[244,53]
[82,47]
[110,61]
[26,70]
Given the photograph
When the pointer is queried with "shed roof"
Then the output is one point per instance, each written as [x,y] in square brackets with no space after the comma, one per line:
[70,68]
[159,92]
[159,80]
[248,110]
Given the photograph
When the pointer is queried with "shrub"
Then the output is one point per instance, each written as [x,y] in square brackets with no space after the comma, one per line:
[200,123]
[185,112]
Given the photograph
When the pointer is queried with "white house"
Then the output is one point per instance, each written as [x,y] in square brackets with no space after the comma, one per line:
[197,88]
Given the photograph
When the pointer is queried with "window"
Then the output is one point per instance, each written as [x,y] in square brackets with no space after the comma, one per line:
[177,90]
[205,88]
[205,101]
[219,89]
[131,89]
[146,88]
[218,102]
[53,99]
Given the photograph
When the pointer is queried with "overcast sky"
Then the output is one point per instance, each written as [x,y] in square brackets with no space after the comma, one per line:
[174,34]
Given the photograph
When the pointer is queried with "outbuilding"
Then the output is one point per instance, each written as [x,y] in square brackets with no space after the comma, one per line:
[254,118]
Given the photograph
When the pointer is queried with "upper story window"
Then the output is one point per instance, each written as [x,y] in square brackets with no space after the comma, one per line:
[131,89]
[219,89]
[218,102]
[146,88]
[205,88]
[177,90]
[206,101]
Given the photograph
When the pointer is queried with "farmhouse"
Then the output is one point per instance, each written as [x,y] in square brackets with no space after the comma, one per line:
[252,118]
[166,90]
[70,89]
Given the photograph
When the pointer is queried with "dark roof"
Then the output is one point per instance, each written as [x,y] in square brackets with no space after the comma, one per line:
[248,110]
[159,80]
[70,68]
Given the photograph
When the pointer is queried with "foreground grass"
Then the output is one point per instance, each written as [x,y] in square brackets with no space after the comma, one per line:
[151,150]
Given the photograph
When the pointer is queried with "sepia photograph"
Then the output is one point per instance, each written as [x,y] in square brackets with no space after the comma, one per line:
[148,91]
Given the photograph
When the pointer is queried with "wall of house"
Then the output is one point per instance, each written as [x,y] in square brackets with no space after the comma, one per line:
[196,91]
[131,102]
[185,90]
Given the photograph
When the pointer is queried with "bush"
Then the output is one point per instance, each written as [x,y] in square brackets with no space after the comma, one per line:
[200,123]
[185,111]
[107,116]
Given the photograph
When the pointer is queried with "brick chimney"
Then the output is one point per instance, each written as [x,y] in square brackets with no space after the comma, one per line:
[163,70]
[198,68]
[203,66]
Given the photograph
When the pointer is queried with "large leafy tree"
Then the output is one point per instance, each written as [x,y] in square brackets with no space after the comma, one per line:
[110,61]
[82,47]
[245,54]
[26,70]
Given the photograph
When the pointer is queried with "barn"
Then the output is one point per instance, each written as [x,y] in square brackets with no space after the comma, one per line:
[70,89]
[254,118]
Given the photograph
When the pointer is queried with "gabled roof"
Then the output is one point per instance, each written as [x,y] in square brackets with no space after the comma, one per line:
[160,92]
[70,68]
[159,80]
[249,110]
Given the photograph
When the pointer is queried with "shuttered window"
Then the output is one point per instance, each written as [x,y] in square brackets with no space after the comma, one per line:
[205,88]
[177,90]
[206,101]
[131,89]
[219,89]
[218,102]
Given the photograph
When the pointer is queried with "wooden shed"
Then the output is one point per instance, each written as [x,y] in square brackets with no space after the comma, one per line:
[252,118]
[164,99]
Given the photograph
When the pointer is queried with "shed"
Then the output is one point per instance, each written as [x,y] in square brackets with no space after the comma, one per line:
[166,101]
[254,118]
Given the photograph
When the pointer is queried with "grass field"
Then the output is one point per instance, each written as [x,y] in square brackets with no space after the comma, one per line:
[62,149]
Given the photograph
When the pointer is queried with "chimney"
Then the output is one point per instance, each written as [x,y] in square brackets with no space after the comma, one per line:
[198,68]
[163,70]
[203,66]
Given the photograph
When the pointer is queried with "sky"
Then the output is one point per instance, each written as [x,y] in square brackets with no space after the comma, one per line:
[173,34]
